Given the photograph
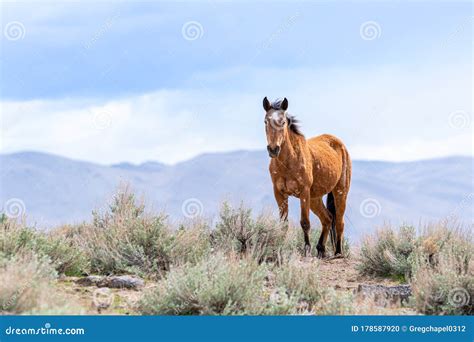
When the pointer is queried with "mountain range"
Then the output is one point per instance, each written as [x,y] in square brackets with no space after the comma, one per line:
[54,190]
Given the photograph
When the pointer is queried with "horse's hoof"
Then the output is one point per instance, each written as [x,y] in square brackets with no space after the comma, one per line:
[338,256]
[307,251]
[321,251]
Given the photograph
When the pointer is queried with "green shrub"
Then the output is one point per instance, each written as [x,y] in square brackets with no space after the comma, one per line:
[300,279]
[219,285]
[16,238]
[388,253]
[437,263]
[263,238]
[336,303]
[443,272]
[190,243]
[126,240]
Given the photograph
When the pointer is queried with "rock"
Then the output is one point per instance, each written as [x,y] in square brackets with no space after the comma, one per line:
[385,295]
[89,280]
[119,282]
[125,281]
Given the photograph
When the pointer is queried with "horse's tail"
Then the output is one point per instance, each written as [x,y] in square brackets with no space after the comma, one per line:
[331,206]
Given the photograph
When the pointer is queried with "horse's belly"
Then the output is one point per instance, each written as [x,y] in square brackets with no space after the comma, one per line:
[324,182]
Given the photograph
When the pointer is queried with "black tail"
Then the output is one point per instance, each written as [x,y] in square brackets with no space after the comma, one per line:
[331,206]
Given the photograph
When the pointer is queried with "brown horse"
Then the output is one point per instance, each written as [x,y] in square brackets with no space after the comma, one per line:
[308,170]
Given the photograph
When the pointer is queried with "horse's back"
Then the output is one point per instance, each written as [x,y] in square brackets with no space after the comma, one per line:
[326,141]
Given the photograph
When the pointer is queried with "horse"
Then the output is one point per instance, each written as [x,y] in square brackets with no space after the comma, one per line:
[308,169]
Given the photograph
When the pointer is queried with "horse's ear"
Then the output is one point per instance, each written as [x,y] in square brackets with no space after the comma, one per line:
[284,104]
[266,104]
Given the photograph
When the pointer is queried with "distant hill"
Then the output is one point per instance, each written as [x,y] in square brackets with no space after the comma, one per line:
[58,190]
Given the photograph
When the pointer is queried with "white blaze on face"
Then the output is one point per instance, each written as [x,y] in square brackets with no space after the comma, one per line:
[277,117]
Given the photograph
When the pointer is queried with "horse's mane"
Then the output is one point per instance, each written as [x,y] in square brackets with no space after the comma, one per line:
[293,123]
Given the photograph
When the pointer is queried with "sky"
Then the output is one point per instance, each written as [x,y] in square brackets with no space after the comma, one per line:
[110,81]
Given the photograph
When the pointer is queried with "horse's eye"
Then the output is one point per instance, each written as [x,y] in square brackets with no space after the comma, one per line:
[266,122]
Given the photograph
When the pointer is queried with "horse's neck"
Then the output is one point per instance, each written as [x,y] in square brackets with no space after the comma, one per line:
[292,151]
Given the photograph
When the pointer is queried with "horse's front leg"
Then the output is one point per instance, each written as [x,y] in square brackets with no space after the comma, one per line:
[282,201]
[305,223]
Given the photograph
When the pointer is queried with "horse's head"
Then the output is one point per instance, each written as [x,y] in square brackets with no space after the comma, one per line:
[276,124]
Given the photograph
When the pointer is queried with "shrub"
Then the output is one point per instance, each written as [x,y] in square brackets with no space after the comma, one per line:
[263,238]
[190,244]
[443,272]
[126,240]
[219,285]
[388,253]
[335,303]
[26,283]
[16,238]
[300,279]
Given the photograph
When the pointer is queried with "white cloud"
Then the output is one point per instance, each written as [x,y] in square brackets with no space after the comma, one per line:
[388,113]
[415,149]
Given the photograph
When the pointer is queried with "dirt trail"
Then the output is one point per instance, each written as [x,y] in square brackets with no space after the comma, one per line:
[342,274]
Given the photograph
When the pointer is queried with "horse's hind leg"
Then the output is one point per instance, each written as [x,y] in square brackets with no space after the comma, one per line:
[318,208]
[340,198]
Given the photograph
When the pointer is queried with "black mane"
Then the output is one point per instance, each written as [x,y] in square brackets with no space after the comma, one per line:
[293,124]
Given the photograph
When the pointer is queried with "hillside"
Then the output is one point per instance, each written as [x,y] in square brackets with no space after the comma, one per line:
[59,190]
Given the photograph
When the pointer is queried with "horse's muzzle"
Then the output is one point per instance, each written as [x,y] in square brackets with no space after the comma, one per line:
[273,152]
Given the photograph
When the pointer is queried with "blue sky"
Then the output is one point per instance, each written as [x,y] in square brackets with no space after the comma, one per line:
[109,82]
